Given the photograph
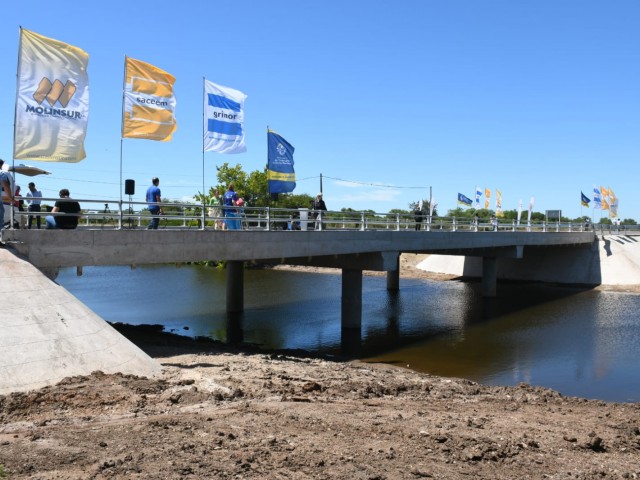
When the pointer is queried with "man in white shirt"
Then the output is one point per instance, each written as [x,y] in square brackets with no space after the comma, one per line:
[34,199]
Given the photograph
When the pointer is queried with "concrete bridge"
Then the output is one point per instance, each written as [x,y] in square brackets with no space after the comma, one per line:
[352,251]
[48,335]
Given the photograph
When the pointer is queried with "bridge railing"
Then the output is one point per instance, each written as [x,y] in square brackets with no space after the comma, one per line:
[109,214]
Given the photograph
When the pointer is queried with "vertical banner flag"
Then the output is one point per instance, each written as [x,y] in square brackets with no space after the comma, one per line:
[52,100]
[597,201]
[223,119]
[478,195]
[466,201]
[613,204]
[498,203]
[519,211]
[432,202]
[149,105]
[280,175]
[530,210]
[487,198]
[584,200]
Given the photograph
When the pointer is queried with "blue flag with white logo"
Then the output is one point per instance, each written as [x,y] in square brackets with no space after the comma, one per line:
[223,119]
[464,200]
[280,174]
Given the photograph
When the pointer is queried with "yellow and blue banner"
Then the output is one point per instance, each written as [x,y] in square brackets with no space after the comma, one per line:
[52,100]
[584,200]
[463,200]
[281,177]
[149,104]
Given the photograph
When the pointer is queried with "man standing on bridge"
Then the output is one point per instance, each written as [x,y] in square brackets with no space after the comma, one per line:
[153,199]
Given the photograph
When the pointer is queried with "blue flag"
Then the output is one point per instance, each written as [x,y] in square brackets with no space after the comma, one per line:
[584,200]
[223,119]
[280,174]
[464,200]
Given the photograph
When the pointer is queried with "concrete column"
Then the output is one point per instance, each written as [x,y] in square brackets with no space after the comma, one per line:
[351,298]
[489,276]
[235,286]
[393,280]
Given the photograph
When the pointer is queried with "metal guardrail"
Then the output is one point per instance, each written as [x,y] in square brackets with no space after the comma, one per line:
[135,215]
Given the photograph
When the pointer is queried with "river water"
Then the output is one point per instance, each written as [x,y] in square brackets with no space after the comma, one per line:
[579,342]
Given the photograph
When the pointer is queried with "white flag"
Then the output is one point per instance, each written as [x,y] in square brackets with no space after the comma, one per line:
[530,209]
[223,119]
[52,100]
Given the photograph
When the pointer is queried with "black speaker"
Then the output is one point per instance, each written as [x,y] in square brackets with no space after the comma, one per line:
[129,187]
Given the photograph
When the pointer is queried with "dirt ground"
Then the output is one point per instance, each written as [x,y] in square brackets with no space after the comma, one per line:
[220,412]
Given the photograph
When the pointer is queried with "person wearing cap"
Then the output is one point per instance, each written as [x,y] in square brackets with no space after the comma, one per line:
[34,200]
[318,205]
[154,196]
[6,188]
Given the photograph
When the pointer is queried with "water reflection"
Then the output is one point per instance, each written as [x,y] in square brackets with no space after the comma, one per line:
[580,342]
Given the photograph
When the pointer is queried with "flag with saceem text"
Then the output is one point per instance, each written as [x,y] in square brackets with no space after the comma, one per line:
[52,100]
[149,102]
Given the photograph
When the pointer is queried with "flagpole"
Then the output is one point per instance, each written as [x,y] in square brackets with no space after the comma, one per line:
[15,110]
[268,192]
[124,83]
[203,185]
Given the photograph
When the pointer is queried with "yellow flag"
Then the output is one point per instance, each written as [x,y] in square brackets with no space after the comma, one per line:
[52,100]
[149,102]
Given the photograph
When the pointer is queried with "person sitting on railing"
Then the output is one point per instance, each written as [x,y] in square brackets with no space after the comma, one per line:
[70,209]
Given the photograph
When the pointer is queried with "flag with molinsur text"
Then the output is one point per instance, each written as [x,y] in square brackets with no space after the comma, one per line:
[149,104]
[52,100]
[223,119]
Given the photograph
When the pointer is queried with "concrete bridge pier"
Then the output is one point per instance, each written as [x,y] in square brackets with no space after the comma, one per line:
[393,280]
[351,299]
[235,286]
[489,276]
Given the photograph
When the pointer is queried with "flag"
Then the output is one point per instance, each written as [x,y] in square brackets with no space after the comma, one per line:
[584,200]
[519,211]
[498,203]
[223,119]
[432,203]
[597,201]
[52,100]
[613,204]
[464,200]
[149,104]
[605,205]
[487,198]
[280,175]
[478,195]
[530,209]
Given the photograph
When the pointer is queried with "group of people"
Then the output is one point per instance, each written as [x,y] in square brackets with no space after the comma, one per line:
[65,213]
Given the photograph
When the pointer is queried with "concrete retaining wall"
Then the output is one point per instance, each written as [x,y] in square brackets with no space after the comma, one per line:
[46,334]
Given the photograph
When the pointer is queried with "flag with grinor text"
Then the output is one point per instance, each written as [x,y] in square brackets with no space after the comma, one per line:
[223,119]
[149,103]
[52,100]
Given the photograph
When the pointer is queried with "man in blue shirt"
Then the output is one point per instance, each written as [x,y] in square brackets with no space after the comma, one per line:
[7,194]
[153,199]
[229,200]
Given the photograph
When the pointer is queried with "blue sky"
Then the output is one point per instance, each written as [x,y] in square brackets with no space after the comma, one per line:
[385,99]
